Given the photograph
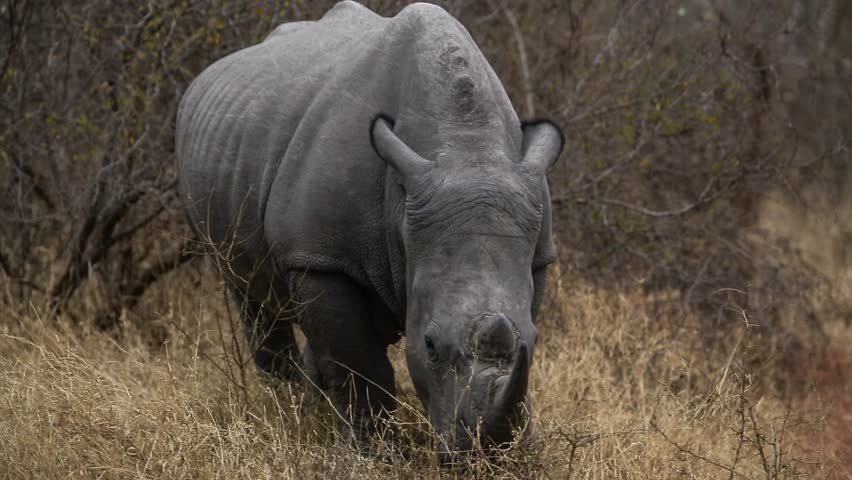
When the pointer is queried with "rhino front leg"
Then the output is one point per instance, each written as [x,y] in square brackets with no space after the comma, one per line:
[270,337]
[348,357]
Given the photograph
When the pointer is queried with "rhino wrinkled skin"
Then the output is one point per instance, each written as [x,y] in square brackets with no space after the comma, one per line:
[368,177]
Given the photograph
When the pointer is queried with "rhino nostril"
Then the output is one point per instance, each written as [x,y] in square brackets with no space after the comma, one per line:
[431,351]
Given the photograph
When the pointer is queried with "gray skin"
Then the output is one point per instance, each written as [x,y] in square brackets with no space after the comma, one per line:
[373,172]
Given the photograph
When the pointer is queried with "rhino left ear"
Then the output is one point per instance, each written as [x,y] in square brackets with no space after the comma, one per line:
[393,150]
[543,142]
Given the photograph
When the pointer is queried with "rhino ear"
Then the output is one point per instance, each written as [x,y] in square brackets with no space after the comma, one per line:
[543,142]
[393,151]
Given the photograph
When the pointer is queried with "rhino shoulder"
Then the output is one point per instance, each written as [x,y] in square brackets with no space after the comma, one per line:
[348,13]
[287,28]
[423,10]
[427,16]
[348,9]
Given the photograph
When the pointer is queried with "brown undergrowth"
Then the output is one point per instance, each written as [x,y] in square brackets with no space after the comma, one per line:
[619,392]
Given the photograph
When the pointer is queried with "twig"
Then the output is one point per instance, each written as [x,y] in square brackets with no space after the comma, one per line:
[522,55]
[687,299]
[703,197]
[689,452]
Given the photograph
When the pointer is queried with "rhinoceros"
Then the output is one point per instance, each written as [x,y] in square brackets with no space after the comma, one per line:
[366,178]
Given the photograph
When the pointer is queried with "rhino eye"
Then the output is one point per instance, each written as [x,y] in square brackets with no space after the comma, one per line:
[430,349]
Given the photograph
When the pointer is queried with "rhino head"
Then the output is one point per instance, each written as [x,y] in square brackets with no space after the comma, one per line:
[471,223]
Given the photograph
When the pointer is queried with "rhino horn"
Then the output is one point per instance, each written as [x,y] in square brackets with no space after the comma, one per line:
[512,388]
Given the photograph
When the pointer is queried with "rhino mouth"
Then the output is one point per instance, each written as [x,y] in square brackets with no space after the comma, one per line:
[490,425]
[507,409]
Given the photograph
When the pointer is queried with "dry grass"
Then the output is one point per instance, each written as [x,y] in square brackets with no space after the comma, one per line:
[619,393]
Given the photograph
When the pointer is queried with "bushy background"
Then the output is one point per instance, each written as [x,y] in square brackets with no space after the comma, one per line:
[704,192]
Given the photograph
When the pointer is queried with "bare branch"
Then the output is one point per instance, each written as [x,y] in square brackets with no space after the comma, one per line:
[526,78]
[702,198]
[687,451]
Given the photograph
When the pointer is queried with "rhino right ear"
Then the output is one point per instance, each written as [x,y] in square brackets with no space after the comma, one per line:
[393,151]
[543,142]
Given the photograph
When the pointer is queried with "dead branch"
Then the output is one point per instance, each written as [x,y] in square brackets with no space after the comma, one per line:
[526,78]
[702,198]
[732,471]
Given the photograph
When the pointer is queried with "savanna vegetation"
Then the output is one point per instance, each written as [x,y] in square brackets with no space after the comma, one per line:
[698,323]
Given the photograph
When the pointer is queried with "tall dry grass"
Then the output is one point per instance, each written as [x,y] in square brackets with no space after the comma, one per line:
[620,391]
